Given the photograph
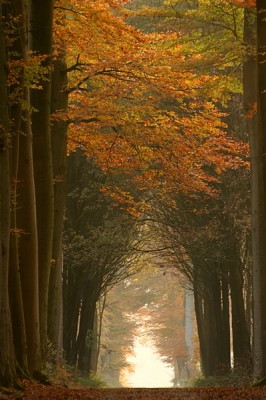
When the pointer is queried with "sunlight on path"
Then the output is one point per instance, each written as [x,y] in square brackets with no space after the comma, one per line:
[150,370]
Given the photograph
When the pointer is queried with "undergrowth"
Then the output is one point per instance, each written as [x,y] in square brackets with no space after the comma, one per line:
[69,376]
[234,379]
[63,374]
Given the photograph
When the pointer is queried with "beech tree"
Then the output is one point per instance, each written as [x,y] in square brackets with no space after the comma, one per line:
[24,72]
[254,99]
[201,245]
[7,365]
[59,101]
[214,19]
[99,241]
[258,203]
[41,27]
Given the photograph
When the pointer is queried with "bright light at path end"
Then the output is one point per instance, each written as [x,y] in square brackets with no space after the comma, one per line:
[150,370]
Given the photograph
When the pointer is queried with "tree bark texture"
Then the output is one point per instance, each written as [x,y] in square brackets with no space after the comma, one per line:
[28,244]
[15,292]
[260,178]
[7,357]
[41,27]
[241,338]
[59,101]
[212,316]
[205,316]
[254,85]
[86,328]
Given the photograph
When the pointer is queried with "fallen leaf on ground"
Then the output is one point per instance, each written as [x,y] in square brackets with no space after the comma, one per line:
[34,391]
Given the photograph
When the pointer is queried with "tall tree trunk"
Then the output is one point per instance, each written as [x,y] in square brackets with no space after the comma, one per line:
[241,339]
[7,357]
[59,101]
[253,85]
[205,324]
[226,322]
[189,329]
[222,330]
[15,292]
[102,305]
[72,284]
[258,161]
[41,27]
[28,244]
[94,351]
[85,337]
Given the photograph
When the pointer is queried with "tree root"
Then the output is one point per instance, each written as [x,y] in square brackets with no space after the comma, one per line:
[41,377]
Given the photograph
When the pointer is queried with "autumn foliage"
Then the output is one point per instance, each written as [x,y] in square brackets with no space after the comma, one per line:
[137,104]
[245,3]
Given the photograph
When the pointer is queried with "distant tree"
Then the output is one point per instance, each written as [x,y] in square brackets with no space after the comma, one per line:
[118,333]
[208,240]
[99,241]
[156,314]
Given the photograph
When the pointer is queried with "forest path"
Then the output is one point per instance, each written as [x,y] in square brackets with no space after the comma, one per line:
[36,391]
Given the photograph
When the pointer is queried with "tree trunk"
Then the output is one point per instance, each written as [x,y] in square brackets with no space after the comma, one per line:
[100,313]
[261,177]
[85,337]
[241,339]
[254,85]
[15,292]
[226,323]
[94,350]
[7,357]
[28,244]
[59,152]
[205,324]
[211,312]
[221,331]
[71,308]
[41,28]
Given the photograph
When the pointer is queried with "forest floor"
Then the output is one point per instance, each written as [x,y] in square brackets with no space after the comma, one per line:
[34,391]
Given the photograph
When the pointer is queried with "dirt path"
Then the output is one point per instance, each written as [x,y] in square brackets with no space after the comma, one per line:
[36,391]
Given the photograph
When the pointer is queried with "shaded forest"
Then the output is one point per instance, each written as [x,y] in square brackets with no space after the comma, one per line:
[132,186]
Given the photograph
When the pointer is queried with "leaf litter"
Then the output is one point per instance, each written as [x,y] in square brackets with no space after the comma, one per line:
[34,391]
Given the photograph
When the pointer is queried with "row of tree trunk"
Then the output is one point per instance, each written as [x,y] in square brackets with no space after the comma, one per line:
[29,162]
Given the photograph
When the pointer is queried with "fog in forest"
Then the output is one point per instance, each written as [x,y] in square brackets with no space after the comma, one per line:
[148,337]
[149,369]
